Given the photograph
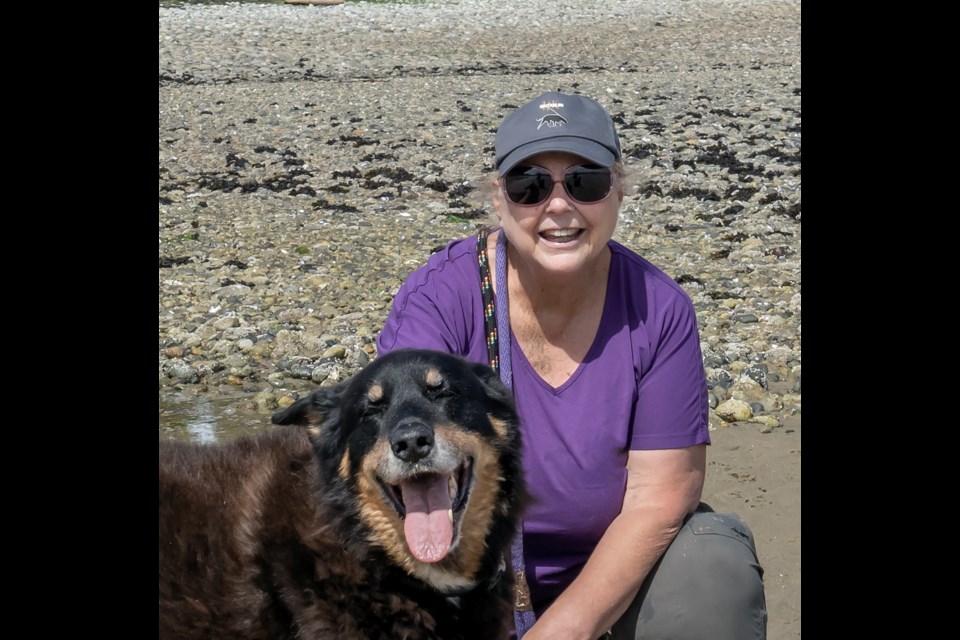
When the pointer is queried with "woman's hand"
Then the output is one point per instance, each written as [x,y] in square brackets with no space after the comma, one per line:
[663,487]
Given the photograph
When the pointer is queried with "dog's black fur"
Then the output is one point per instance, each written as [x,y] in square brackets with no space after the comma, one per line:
[299,533]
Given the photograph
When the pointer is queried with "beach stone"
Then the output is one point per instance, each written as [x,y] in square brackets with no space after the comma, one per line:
[284,401]
[746,389]
[758,373]
[719,377]
[227,322]
[275,379]
[769,421]
[791,402]
[336,351]
[736,365]
[734,410]
[713,361]
[715,422]
[771,402]
[183,373]
[291,315]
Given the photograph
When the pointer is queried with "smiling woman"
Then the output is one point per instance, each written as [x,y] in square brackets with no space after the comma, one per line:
[602,351]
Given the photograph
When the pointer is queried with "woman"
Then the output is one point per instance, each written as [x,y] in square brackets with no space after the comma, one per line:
[602,351]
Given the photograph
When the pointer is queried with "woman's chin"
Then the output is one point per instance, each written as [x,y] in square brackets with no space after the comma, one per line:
[562,261]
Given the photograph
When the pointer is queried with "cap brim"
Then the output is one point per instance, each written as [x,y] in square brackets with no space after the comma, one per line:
[583,147]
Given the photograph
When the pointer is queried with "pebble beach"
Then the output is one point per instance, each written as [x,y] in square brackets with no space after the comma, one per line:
[311,156]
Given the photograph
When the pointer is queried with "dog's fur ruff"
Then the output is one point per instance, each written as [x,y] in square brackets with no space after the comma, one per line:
[300,532]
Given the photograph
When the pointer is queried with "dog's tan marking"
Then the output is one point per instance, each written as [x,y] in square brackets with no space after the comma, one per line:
[386,527]
[433,377]
[314,418]
[345,465]
[499,426]
[375,393]
[479,511]
[313,432]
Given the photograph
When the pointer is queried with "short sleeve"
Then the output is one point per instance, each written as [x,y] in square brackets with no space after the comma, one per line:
[672,406]
[416,321]
[439,306]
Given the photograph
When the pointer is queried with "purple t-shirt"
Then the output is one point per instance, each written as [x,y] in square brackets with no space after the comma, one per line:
[640,386]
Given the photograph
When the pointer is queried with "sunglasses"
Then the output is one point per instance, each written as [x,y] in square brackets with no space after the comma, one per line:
[529,186]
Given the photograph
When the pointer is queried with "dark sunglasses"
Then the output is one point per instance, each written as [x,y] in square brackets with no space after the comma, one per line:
[585,183]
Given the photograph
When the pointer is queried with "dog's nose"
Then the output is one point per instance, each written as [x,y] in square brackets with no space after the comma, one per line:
[412,441]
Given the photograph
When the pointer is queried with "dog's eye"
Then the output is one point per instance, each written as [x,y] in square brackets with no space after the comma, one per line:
[373,408]
[435,393]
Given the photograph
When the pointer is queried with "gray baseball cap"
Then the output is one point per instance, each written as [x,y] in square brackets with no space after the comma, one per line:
[557,122]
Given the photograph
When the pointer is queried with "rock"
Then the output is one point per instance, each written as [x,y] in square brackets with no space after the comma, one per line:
[285,401]
[183,373]
[791,402]
[769,421]
[715,422]
[734,410]
[336,351]
[226,323]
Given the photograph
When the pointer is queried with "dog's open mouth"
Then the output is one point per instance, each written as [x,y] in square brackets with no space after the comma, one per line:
[431,506]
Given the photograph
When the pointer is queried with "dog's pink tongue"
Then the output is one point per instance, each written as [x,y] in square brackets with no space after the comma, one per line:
[427,526]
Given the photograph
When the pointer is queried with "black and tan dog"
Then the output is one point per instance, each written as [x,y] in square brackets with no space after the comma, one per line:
[389,516]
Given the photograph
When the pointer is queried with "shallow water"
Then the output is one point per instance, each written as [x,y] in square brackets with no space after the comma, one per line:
[208,418]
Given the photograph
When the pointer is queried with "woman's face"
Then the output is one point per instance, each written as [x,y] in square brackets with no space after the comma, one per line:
[560,235]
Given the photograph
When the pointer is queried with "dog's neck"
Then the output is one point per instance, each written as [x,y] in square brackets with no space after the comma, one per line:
[490,584]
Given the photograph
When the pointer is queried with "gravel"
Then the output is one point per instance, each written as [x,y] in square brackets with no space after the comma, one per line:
[311,156]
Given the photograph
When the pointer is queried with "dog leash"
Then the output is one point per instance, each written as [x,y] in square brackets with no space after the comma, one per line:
[496,314]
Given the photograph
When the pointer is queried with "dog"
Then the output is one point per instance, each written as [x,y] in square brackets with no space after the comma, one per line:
[388,514]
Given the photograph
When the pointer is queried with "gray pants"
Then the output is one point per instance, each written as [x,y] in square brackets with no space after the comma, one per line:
[707,586]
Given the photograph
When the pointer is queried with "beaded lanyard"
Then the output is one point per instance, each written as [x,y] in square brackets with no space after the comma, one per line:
[496,314]
[489,318]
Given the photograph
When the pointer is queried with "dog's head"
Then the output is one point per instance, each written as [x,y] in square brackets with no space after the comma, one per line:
[423,449]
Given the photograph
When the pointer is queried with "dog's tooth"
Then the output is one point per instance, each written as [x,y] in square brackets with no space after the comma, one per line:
[450,514]
[452,487]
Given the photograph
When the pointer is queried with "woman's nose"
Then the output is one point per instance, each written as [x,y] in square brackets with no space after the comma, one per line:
[559,198]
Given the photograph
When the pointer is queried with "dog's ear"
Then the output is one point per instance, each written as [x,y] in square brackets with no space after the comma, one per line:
[492,385]
[312,410]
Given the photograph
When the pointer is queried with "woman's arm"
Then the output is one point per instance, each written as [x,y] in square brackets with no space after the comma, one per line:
[663,486]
